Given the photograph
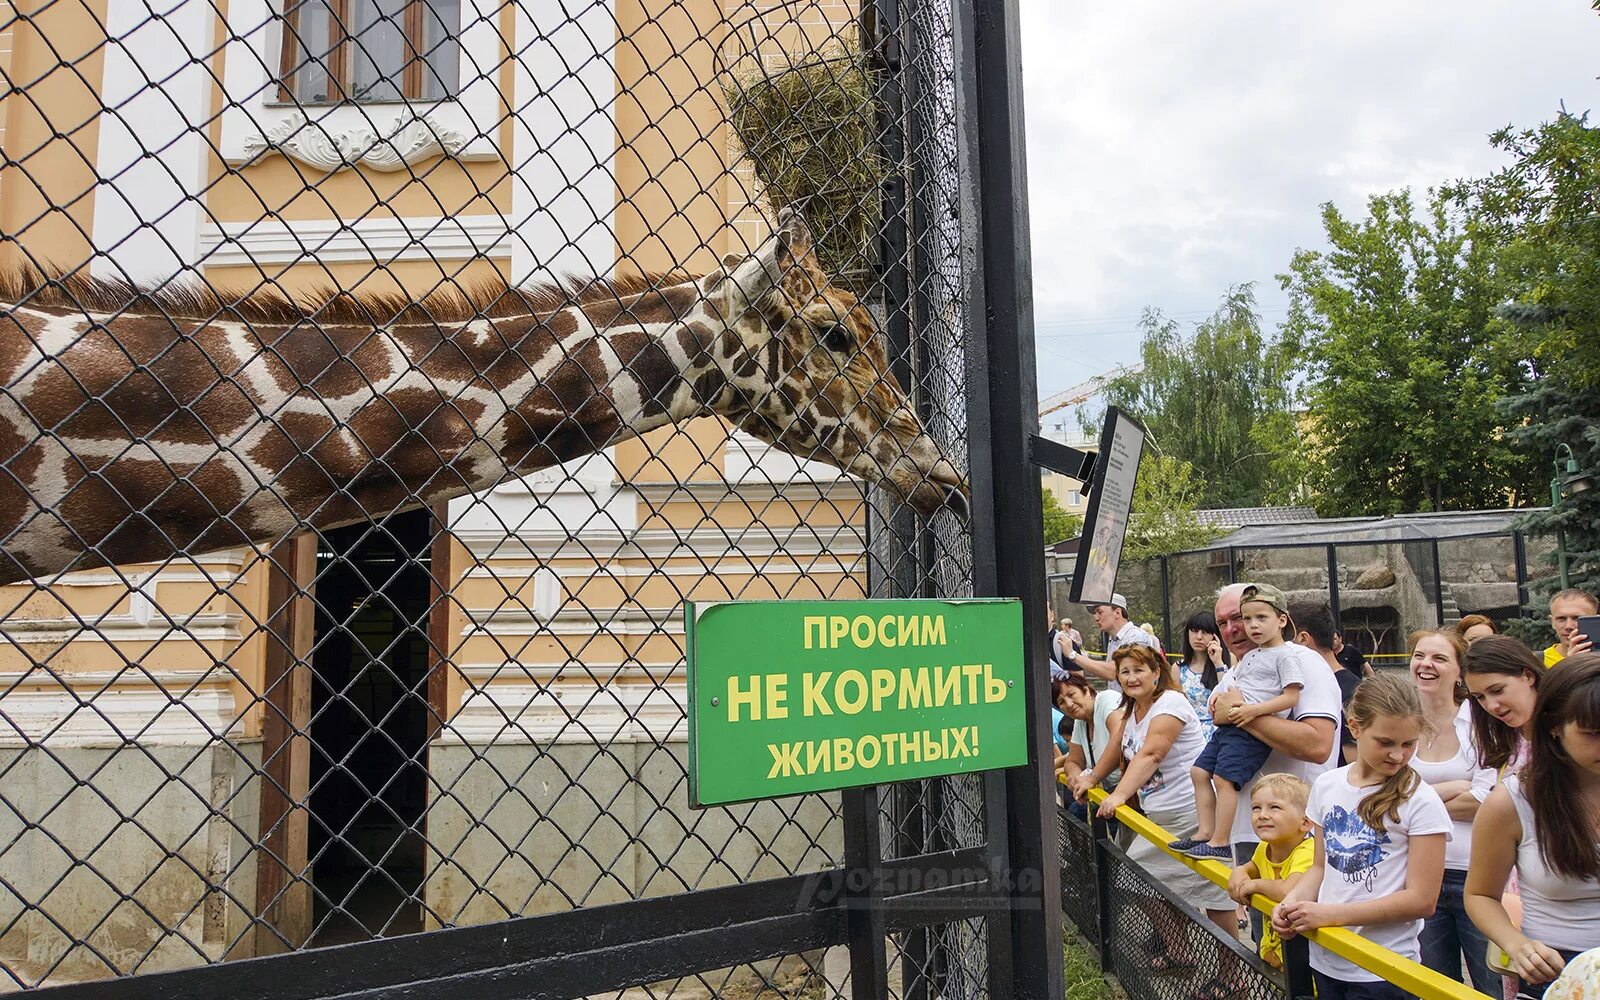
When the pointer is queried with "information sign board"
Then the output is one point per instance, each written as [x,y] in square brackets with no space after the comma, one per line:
[788,697]
[1116,468]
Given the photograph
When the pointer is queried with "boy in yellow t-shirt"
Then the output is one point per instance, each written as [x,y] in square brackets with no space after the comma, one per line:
[1278,816]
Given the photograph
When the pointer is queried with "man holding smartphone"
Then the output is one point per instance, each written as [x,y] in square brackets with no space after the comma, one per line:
[1565,610]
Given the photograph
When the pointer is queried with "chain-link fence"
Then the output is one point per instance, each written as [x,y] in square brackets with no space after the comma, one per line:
[378,379]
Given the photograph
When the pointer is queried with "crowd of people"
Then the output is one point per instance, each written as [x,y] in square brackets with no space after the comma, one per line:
[1450,813]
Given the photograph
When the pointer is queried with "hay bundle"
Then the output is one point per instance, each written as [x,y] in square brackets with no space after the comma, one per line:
[808,129]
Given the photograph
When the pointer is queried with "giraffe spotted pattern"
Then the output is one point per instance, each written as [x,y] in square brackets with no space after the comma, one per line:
[136,425]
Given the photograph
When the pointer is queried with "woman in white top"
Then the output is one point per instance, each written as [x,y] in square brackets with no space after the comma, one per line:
[1158,736]
[1084,742]
[1545,823]
[1448,761]
[1082,731]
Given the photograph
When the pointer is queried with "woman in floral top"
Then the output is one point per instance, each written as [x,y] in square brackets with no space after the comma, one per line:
[1205,661]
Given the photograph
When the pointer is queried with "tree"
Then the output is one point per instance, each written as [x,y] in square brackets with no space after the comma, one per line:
[1546,206]
[1405,361]
[1164,519]
[1217,400]
[1058,523]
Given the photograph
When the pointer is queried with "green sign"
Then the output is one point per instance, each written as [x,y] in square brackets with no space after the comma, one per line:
[787,697]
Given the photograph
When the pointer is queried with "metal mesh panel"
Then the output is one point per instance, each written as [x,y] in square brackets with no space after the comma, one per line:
[1164,948]
[1386,592]
[1193,579]
[377,381]
[1079,896]
[1161,947]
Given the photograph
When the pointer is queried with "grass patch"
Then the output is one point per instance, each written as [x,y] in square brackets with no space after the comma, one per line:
[1083,977]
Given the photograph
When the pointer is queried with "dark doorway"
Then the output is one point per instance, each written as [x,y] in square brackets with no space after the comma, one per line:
[369,728]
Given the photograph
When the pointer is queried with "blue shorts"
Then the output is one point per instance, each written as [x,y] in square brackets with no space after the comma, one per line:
[1233,755]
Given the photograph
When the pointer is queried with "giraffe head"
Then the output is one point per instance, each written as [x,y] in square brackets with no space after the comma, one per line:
[809,373]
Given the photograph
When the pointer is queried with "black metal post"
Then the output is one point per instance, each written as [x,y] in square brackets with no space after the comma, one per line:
[1519,543]
[981,457]
[1099,835]
[1025,960]
[1166,607]
[1333,585]
[864,923]
[1297,968]
[1233,565]
[1438,585]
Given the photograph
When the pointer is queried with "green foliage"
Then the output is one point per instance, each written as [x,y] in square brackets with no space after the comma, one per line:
[1059,525]
[1546,210]
[1405,360]
[1082,975]
[1216,400]
[1164,519]
[807,129]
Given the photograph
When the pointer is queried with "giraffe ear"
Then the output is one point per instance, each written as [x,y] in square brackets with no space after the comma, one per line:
[748,280]
[795,232]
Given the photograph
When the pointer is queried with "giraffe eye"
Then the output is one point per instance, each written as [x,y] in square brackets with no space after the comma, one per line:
[837,339]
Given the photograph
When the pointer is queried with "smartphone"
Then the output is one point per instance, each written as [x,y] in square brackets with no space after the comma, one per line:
[1589,625]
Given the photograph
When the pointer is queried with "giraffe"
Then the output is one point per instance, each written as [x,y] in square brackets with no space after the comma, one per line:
[136,424]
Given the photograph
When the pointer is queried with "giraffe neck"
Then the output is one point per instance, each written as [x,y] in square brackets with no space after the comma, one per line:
[228,433]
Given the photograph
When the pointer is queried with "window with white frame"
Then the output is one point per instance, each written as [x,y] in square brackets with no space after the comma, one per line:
[370,51]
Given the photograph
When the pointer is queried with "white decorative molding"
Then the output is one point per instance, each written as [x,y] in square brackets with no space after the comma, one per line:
[708,546]
[250,119]
[510,704]
[518,620]
[594,473]
[732,564]
[379,241]
[748,459]
[121,629]
[221,568]
[406,140]
[157,708]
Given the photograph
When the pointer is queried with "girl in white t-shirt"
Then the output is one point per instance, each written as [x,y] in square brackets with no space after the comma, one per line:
[1543,821]
[1381,834]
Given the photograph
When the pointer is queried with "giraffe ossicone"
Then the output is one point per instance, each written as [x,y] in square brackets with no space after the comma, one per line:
[138,424]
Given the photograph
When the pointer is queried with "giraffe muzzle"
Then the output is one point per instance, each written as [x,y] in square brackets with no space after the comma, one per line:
[942,488]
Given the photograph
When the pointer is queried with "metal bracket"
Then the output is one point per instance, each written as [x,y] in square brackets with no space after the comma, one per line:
[1057,457]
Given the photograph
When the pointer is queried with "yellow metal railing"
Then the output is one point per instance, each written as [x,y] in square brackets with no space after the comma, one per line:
[1418,980]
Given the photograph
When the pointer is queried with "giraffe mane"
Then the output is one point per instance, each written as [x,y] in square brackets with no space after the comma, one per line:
[26,285]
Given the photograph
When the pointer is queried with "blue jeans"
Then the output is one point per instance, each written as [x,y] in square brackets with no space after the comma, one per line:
[1329,988]
[1449,934]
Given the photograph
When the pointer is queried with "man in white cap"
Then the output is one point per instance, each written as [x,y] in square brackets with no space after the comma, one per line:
[1113,620]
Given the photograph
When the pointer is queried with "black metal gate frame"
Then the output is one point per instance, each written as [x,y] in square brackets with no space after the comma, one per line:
[1017,892]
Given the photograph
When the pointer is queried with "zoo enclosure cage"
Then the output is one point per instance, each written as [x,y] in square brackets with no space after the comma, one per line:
[1384,578]
[440,702]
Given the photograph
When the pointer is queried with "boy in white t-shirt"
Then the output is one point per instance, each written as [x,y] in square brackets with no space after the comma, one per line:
[1269,678]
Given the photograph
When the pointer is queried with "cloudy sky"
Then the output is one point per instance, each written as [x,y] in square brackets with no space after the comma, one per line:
[1176,148]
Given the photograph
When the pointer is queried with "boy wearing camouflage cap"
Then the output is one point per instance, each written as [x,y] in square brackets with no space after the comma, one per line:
[1269,678]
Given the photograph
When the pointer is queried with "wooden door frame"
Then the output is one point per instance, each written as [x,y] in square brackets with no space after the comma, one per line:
[283,875]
